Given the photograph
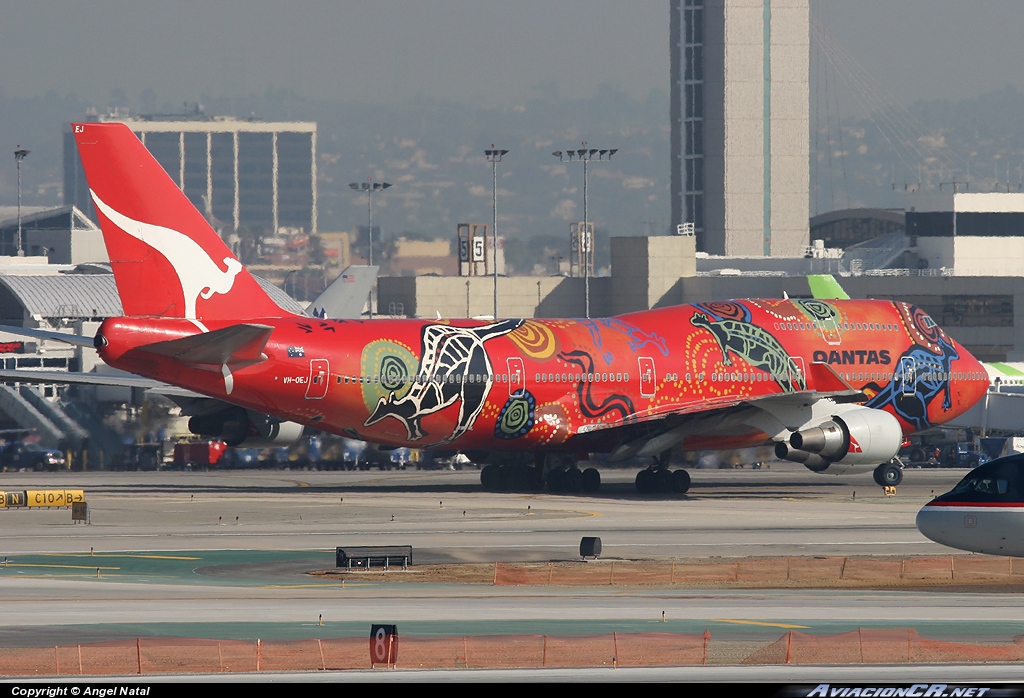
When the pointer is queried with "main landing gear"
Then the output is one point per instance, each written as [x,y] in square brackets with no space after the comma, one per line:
[556,472]
[572,480]
[662,481]
[510,477]
[888,475]
[659,479]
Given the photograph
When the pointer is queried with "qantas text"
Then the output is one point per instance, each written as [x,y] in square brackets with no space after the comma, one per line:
[856,356]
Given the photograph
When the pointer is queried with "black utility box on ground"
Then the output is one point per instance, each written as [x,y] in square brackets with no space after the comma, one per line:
[365,557]
[590,546]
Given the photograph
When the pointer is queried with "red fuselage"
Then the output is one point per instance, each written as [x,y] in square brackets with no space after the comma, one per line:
[563,384]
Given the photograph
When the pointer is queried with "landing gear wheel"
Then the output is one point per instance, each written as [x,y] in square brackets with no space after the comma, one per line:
[574,480]
[645,481]
[567,481]
[888,475]
[518,478]
[680,481]
[591,480]
[663,481]
[490,478]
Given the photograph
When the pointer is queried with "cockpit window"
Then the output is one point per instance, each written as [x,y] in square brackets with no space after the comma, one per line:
[983,485]
[1002,480]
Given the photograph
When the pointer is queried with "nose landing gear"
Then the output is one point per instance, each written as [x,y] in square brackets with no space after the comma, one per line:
[888,475]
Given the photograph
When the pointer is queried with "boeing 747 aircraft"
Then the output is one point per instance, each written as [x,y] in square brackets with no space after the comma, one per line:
[836,385]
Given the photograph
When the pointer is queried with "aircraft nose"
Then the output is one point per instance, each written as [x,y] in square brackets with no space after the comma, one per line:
[933,523]
[953,527]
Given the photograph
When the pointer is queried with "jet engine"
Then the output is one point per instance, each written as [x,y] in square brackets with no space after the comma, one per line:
[237,426]
[861,436]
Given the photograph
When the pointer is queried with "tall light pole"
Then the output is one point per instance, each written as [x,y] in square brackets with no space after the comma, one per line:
[19,155]
[369,187]
[586,155]
[494,157]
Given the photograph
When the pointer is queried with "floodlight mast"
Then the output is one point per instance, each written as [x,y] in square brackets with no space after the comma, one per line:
[19,155]
[494,156]
[369,186]
[586,156]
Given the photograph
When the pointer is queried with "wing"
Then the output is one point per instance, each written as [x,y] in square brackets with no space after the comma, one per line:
[123,380]
[75,339]
[774,416]
[190,402]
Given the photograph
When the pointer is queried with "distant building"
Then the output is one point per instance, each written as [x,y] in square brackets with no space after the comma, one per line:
[60,235]
[335,248]
[740,117]
[256,175]
[847,227]
[655,272]
[419,257]
[968,234]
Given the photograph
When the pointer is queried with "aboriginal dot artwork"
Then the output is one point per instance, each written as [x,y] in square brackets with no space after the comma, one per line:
[516,417]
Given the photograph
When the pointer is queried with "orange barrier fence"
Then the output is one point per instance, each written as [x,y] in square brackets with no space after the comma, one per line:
[169,656]
[878,646]
[777,570]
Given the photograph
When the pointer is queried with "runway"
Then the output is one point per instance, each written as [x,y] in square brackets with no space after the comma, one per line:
[786,511]
[174,560]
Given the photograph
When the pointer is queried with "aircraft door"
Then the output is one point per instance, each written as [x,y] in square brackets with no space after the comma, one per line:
[797,372]
[516,376]
[319,374]
[648,378]
[906,379]
[829,329]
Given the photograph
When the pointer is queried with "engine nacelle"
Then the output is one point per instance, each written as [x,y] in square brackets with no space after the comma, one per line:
[237,426]
[861,436]
[812,461]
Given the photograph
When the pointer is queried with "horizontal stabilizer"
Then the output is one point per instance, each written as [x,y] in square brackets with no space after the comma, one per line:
[76,339]
[238,344]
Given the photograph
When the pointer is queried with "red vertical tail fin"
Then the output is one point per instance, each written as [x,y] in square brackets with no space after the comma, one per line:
[167,260]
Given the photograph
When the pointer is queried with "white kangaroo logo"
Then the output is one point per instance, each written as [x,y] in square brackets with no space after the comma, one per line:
[197,273]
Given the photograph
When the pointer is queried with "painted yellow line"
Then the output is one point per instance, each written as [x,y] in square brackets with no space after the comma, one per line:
[76,575]
[157,557]
[754,622]
[145,557]
[68,567]
[317,586]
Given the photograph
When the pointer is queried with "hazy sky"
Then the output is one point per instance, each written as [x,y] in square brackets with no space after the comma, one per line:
[381,51]
[377,51]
